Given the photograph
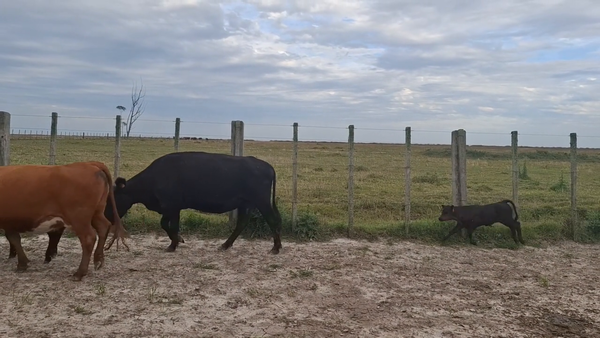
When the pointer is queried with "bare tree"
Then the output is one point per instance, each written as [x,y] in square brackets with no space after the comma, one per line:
[137,108]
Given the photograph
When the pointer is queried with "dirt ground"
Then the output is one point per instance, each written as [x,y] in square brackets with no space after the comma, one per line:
[342,288]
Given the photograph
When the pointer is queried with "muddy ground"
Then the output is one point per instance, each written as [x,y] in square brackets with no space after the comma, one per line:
[334,289]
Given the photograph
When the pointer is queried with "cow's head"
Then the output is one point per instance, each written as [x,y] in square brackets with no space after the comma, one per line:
[447,213]
[122,200]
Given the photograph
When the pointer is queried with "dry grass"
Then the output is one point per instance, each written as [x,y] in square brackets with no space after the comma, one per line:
[379,178]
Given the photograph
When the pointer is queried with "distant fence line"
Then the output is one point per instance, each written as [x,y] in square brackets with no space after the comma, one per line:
[458,157]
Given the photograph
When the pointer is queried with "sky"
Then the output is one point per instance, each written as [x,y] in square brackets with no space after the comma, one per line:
[488,67]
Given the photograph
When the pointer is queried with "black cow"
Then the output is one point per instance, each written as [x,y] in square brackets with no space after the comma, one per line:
[474,216]
[207,182]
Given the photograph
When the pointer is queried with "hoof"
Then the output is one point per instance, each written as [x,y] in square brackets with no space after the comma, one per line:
[99,264]
[181,239]
[49,258]
[274,251]
[21,268]
[224,247]
[170,248]
[76,277]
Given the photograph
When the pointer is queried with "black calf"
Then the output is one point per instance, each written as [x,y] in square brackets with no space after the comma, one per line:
[471,217]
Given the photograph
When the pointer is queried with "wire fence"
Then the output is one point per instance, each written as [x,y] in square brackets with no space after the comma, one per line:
[345,182]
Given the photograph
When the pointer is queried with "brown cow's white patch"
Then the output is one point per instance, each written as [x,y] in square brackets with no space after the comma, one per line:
[49,224]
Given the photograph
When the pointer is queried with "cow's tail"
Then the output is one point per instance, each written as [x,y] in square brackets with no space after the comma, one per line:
[514,208]
[119,232]
[273,197]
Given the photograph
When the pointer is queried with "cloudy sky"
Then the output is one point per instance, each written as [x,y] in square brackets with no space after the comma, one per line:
[488,67]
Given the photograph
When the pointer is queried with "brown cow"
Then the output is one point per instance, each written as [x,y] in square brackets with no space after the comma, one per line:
[43,198]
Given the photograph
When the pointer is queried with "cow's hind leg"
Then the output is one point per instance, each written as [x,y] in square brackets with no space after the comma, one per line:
[273,218]
[14,238]
[102,226]
[242,221]
[87,237]
[53,239]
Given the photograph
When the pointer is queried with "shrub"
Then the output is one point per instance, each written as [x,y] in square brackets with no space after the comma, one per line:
[523,175]
[307,227]
[593,224]
[561,185]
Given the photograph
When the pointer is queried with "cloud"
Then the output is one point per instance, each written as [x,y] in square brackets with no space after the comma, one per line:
[489,67]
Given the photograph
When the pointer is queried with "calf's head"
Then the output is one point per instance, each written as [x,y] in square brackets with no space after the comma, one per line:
[447,213]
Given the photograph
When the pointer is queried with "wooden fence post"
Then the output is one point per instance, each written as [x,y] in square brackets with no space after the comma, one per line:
[237,149]
[4,138]
[177,127]
[459,167]
[462,160]
[515,166]
[295,177]
[407,181]
[350,178]
[574,221]
[53,132]
[455,169]
[117,146]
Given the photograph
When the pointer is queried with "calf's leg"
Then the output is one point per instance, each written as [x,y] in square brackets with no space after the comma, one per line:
[515,230]
[14,238]
[470,230]
[513,233]
[454,230]
[519,232]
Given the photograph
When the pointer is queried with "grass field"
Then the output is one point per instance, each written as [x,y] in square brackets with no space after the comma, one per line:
[379,185]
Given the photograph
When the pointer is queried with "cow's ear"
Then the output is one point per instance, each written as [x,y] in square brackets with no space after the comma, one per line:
[120,182]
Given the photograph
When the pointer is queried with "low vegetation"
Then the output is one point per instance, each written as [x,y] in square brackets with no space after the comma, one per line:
[544,198]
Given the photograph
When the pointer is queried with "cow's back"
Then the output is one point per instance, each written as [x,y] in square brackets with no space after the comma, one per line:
[207,170]
[204,181]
